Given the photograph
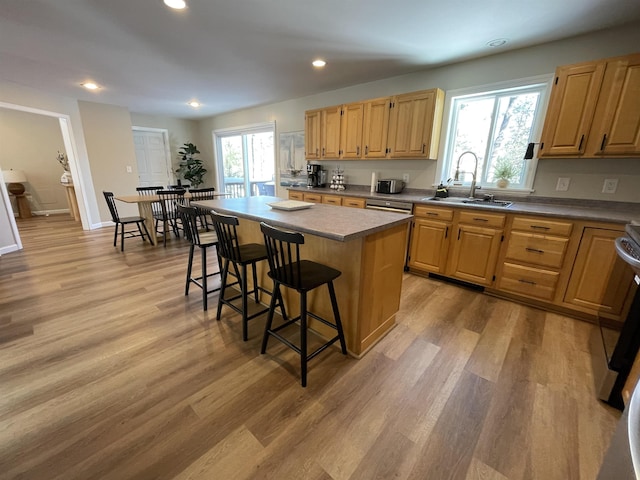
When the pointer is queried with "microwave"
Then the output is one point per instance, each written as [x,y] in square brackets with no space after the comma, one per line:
[389,186]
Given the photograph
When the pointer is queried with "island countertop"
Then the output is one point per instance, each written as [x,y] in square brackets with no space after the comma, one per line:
[328,221]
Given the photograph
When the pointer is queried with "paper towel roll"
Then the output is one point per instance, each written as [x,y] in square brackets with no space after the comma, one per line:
[374,181]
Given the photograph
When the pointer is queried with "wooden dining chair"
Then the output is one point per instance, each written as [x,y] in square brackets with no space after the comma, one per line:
[167,214]
[121,222]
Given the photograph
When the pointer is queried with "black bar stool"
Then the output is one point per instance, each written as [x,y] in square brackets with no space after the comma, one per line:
[286,268]
[238,256]
[202,240]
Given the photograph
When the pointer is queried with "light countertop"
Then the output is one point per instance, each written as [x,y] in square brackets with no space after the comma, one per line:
[329,221]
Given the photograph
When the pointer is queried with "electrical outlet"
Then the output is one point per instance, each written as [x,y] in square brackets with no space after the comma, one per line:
[563,184]
[405,177]
[129,169]
[610,185]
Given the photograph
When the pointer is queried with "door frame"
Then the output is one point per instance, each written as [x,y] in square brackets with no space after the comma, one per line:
[71,149]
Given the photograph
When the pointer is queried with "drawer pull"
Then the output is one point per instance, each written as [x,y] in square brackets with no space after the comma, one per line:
[528,282]
[540,227]
[534,250]
[433,214]
[480,219]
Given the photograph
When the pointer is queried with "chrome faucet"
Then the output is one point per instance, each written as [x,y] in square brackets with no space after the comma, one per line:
[456,177]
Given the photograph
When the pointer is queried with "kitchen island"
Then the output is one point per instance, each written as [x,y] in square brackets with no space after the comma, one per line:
[367,246]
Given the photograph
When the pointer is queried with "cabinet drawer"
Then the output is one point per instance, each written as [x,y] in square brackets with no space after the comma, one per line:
[533,282]
[296,195]
[482,219]
[433,213]
[332,199]
[542,226]
[540,250]
[353,202]
[313,197]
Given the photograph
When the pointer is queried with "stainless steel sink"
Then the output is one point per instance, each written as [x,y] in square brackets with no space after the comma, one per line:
[475,201]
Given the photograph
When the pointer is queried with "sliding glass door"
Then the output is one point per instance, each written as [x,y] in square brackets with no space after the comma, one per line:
[246,156]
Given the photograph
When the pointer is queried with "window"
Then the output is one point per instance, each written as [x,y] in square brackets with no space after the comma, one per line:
[246,156]
[496,127]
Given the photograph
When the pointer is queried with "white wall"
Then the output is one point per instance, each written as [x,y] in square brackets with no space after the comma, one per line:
[586,175]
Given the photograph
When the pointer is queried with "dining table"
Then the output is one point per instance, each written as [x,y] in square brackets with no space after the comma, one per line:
[145,208]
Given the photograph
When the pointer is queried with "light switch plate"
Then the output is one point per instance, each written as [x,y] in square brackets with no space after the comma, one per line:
[405,178]
[129,169]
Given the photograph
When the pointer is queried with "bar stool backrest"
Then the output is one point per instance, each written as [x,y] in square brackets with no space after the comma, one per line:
[226,231]
[189,216]
[202,193]
[283,254]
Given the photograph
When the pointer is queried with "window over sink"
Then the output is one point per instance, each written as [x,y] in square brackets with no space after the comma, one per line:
[496,123]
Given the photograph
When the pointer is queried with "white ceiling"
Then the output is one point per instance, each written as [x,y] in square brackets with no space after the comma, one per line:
[232,54]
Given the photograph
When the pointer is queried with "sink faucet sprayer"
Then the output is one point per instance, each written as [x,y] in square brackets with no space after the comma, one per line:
[456,177]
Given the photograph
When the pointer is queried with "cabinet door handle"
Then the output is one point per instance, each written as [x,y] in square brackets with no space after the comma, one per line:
[366,149]
[477,219]
[528,282]
[358,150]
[316,152]
[534,250]
[446,232]
[323,151]
[424,145]
[581,140]
[604,139]
[540,227]
[458,234]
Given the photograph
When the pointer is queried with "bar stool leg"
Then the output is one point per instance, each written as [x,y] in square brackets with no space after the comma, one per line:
[336,316]
[203,257]
[189,266]
[272,308]
[245,295]
[223,287]
[255,281]
[303,338]
[115,236]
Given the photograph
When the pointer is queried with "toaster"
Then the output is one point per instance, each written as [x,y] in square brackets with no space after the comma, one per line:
[389,186]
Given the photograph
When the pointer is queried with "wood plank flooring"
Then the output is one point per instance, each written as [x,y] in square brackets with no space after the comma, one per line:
[107,371]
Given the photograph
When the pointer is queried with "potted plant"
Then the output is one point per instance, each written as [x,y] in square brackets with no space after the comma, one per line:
[504,171]
[191,168]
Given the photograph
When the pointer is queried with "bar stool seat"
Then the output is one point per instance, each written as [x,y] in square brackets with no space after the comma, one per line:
[202,240]
[239,257]
[287,269]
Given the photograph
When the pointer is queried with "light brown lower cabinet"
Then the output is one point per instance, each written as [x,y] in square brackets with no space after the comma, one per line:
[600,280]
[559,264]
[353,202]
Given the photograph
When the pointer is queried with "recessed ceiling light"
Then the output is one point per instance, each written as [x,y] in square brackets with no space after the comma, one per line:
[319,63]
[498,42]
[194,104]
[175,4]
[90,86]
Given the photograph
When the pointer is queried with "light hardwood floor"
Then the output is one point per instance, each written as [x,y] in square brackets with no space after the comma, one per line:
[108,371]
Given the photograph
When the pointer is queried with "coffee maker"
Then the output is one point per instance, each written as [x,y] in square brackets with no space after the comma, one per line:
[316,177]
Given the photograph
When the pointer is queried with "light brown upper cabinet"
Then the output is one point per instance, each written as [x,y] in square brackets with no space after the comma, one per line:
[594,110]
[322,133]
[616,127]
[414,126]
[376,127]
[404,126]
[312,134]
[351,131]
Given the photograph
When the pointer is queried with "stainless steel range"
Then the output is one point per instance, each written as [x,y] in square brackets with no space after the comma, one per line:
[617,350]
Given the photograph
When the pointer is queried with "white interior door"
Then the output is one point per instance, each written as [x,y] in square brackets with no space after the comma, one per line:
[153,158]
